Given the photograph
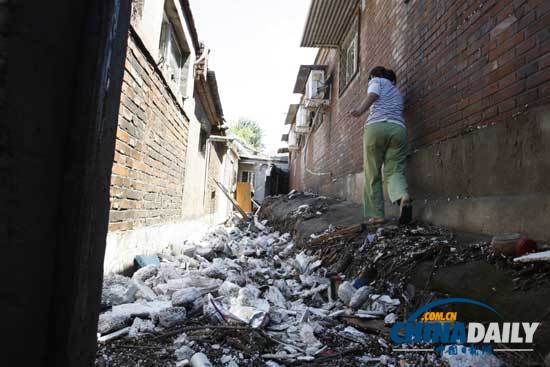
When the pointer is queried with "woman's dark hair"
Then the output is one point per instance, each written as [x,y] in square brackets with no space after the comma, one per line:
[390,75]
[377,72]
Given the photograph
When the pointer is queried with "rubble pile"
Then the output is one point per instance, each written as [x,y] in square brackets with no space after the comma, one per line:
[245,297]
[389,254]
[253,296]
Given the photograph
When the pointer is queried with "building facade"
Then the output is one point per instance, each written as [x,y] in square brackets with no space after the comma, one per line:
[166,157]
[476,80]
[267,175]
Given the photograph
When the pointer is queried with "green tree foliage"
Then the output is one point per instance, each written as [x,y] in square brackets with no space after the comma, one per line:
[249,131]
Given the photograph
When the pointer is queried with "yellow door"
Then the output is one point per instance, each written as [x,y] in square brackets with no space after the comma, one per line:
[244,196]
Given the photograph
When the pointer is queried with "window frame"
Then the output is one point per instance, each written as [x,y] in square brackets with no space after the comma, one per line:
[169,41]
[352,38]
[249,177]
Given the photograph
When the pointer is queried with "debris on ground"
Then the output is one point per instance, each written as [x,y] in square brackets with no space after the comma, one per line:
[249,296]
[543,256]
[242,297]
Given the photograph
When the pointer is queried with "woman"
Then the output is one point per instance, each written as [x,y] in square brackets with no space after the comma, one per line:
[384,144]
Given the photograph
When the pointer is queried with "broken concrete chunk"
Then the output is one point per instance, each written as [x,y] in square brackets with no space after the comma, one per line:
[140,326]
[236,277]
[196,308]
[204,250]
[143,310]
[182,340]
[360,297]
[205,284]
[109,321]
[248,296]
[146,273]
[185,297]
[144,291]
[117,289]
[346,290]
[390,319]
[184,352]
[308,338]
[274,295]
[200,360]
[172,316]
[229,289]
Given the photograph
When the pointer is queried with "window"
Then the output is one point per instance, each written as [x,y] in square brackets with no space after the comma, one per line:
[247,176]
[172,57]
[349,57]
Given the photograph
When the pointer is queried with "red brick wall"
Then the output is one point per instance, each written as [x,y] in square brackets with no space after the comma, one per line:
[151,145]
[460,64]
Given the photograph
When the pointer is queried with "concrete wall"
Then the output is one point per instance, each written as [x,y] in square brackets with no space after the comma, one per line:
[196,170]
[476,81]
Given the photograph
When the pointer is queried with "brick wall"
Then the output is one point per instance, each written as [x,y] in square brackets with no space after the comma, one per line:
[461,65]
[149,167]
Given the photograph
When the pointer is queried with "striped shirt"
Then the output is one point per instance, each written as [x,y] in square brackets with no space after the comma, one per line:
[389,105]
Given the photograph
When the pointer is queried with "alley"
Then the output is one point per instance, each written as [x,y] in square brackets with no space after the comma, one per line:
[275,183]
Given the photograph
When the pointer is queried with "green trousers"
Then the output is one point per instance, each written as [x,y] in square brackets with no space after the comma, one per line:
[384,144]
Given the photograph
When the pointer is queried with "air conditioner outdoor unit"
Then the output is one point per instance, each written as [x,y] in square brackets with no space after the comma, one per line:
[316,90]
[292,140]
[302,120]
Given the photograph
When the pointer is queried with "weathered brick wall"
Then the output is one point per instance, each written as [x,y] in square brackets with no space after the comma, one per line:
[460,64]
[149,167]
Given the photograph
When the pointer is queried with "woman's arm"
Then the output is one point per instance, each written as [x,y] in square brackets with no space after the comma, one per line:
[371,98]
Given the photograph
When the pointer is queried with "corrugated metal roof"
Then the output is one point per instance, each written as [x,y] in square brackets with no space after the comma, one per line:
[303,74]
[327,22]
[291,114]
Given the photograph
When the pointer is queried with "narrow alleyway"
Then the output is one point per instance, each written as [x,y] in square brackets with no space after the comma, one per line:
[152,217]
[249,295]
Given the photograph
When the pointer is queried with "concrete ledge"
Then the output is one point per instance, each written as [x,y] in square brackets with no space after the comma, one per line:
[490,215]
[123,246]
